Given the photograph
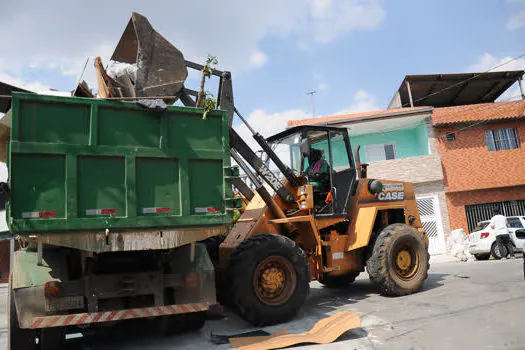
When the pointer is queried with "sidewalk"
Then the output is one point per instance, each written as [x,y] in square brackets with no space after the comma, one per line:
[442,259]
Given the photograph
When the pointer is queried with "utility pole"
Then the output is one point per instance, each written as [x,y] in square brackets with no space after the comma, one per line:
[312,93]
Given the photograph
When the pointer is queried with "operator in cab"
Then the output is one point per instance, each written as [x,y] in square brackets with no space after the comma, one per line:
[318,172]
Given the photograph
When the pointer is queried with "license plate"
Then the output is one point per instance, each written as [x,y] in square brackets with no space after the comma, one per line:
[64,303]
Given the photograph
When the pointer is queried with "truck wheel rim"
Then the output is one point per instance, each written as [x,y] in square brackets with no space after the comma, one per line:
[406,260]
[274,280]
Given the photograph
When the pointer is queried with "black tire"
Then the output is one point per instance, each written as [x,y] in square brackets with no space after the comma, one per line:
[331,281]
[482,256]
[271,256]
[399,261]
[195,320]
[498,251]
[176,324]
[51,338]
[17,338]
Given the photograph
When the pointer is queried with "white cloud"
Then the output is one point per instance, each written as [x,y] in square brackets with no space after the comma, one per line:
[363,102]
[487,61]
[3,172]
[258,59]
[321,86]
[53,33]
[332,18]
[516,21]
[320,82]
[32,86]
[268,124]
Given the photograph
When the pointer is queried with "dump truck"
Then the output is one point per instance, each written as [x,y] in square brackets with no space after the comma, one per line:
[122,207]
[111,198]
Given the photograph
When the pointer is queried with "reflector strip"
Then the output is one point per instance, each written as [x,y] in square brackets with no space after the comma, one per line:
[107,211]
[155,210]
[207,210]
[38,214]
[116,315]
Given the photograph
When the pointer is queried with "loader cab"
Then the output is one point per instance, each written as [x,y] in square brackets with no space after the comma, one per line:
[322,155]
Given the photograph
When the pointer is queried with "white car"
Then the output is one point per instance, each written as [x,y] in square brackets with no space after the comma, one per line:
[482,238]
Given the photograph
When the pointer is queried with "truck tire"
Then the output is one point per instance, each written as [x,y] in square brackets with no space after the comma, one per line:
[17,338]
[331,281]
[482,256]
[269,278]
[498,251]
[176,324]
[51,338]
[195,320]
[399,261]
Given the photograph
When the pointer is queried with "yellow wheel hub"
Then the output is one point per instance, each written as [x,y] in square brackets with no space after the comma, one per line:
[272,281]
[403,260]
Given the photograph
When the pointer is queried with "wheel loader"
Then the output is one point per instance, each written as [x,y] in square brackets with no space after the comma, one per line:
[322,219]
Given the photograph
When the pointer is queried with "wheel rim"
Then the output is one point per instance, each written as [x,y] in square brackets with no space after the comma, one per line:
[406,260]
[274,280]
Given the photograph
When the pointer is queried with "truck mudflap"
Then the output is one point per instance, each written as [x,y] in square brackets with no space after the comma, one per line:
[116,315]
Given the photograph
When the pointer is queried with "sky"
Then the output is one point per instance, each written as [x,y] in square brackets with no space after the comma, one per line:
[353,53]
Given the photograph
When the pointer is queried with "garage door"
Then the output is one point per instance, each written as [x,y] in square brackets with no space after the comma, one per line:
[428,207]
[481,212]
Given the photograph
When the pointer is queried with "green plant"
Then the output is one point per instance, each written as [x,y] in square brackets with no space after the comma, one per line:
[208,102]
[205,99]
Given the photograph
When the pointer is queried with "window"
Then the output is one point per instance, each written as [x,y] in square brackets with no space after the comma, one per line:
[376,153]
[514,223]
[502,139]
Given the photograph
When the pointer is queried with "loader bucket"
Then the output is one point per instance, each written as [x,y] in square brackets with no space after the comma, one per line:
[161,67]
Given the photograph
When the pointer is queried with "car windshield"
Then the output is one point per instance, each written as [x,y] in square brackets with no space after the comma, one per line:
[481,225]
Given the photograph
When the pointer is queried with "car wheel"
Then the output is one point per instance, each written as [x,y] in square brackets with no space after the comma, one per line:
[482,256]
[498,251]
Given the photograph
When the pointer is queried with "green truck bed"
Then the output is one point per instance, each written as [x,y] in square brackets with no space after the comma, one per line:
[90,164]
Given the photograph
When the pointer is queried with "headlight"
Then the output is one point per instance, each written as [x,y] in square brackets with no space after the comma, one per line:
[375,186]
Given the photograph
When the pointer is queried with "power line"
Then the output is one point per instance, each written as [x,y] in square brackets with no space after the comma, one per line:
[466,80]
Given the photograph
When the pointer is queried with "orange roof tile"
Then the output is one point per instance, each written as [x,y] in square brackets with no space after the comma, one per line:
[345,117]
[482,111]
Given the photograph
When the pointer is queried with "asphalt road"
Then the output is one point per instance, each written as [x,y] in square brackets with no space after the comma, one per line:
[475,305]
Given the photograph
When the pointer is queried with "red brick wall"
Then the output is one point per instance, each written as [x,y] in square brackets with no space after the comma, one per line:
[468,164]
[456,202]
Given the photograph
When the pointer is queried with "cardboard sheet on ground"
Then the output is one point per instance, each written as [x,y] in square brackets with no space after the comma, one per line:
[324,331]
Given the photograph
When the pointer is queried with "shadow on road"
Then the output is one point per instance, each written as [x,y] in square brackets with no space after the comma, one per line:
[434,280]
[322,302]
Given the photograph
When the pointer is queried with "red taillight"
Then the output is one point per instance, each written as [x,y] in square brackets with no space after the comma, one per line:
[52,288]
[192,280]
[484,235]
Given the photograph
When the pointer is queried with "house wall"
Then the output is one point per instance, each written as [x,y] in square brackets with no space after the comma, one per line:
[456,202]
[409,142]
[468,165]
[416,169]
